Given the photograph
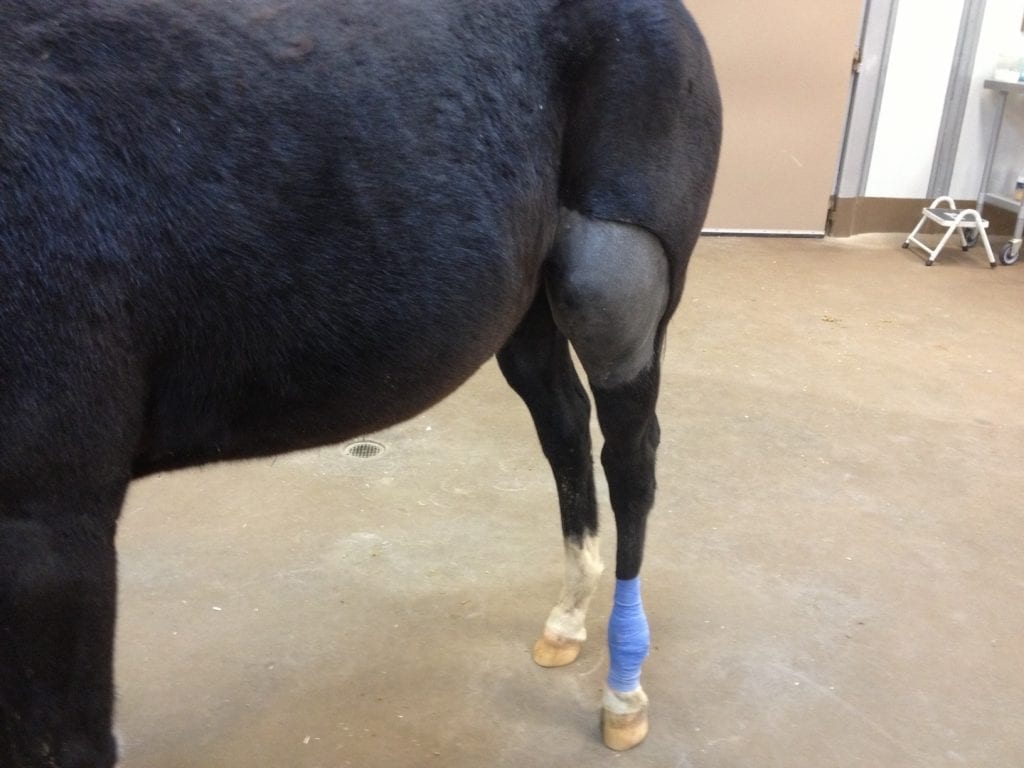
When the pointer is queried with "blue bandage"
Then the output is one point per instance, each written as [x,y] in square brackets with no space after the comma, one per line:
[629,637]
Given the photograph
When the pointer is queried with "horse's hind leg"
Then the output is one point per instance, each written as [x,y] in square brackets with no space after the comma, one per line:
[537,365]
[608,287]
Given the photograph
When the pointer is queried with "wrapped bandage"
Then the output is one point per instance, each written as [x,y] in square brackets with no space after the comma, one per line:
[629,637]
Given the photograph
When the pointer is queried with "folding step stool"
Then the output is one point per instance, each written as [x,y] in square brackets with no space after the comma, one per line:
[952,218]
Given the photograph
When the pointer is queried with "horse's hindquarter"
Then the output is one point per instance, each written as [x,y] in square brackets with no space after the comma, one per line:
[335,217]
[239,228]
[323,216]
[643,141]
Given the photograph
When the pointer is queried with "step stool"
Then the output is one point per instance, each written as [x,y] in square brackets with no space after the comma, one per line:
[962,220]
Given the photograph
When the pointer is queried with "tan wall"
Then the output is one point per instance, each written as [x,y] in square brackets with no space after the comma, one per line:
[784,68]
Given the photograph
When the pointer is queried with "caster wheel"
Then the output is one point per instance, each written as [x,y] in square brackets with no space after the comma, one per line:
[970,238]
[1007,255]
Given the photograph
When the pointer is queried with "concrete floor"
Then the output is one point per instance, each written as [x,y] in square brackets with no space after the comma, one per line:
[834,574]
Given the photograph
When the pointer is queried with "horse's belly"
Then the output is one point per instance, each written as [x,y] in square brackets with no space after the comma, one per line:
[294,385]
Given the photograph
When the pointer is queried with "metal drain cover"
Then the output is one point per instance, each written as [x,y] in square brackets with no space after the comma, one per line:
[364,449]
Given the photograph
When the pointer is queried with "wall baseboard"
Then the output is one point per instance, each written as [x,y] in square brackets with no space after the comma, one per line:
[860,215]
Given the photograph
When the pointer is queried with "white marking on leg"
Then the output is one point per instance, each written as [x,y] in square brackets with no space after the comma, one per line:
[583,568]
[624,703]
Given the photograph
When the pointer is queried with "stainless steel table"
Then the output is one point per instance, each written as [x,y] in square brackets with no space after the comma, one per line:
[1011,251]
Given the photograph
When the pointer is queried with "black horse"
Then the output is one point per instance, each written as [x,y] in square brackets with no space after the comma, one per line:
[231,229]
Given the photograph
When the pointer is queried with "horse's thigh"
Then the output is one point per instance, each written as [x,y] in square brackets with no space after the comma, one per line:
[608,284]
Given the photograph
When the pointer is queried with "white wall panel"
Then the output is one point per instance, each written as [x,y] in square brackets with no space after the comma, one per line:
[1000,32]
[912,102]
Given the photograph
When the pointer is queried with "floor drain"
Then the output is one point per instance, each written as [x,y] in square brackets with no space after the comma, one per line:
[364,449]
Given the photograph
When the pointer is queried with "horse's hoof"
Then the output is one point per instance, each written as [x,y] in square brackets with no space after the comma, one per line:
[622,732]
[553,651]
[624,719]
